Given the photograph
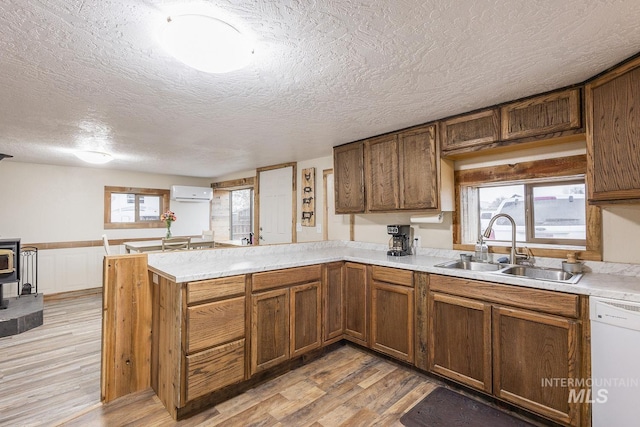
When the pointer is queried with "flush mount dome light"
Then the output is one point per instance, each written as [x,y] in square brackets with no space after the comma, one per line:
[94,157]
[205,43]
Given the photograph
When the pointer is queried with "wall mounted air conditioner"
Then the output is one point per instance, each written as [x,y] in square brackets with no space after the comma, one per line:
[183,193]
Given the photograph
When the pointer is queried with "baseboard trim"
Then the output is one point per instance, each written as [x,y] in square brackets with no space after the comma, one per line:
[72,294]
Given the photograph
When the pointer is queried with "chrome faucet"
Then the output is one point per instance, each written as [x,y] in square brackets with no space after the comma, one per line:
[514,255]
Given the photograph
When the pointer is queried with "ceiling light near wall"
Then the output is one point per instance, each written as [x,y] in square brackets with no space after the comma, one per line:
[94,157]
[206,43]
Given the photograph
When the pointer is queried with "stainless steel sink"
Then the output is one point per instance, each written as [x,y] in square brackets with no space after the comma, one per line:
[471,265]
[523,271]
[541,274]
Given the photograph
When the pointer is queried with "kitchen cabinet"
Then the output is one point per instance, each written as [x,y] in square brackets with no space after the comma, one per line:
[613,141]
[460,340]
[542,115]
[402,171]
[333,302]
[199,339]
[348,166]
[381,173]
[529,347]
[356,299]
[506,340]
[418,169]
[286,315]
[392,303]
[470,130]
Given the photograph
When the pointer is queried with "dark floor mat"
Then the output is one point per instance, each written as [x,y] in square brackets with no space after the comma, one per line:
[446,408]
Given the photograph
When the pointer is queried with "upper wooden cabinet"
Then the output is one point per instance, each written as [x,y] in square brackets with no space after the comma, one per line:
[418,168]
[542,115]
[613,135]
[349,178]
[381,173]
[401,172]
[470,130]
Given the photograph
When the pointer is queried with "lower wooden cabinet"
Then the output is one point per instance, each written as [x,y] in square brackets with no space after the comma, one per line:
[333,302]
[356,299]
[392,318]
[285,322]
[269,329]
[529,348]
[214,368]
[306,318]
[460,340]
[510,352]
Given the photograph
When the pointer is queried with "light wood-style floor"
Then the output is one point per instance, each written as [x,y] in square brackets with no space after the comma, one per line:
[50,376]
[53,371]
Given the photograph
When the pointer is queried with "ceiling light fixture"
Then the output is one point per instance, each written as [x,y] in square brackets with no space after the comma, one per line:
[206,43]
[95,157]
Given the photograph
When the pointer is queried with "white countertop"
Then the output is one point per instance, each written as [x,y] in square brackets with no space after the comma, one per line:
[610,280]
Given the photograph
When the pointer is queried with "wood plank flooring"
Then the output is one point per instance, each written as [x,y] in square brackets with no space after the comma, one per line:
[50,376]
[53,371]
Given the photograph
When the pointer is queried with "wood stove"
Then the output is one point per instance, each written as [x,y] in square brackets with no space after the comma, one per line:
[9,264]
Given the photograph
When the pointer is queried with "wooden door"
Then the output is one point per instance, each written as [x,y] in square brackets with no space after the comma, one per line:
[333,302]
[392,320]
[306,317]
[381,173]
[613,103]
[460,340]
[529,348]
[269,329]
[275,191]
[356,303]
[349,178]
[418,168]
[470,130]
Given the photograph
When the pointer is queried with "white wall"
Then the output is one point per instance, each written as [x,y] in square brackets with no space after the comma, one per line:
[44,204]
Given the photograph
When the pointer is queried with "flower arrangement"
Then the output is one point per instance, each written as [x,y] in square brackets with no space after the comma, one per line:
[168,217]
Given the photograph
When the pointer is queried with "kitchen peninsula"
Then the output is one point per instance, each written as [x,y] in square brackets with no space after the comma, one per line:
[227,319]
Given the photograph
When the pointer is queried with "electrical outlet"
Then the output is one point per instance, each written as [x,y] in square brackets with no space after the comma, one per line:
[319,229]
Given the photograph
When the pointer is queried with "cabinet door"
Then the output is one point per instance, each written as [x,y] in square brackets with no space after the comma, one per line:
[613,103]
[214,323]
[417,158]
[542,115]
[470,130]
[392,320]
[381,173]
[356,303]
[460,340]
[306,317]
[269,329]
[333,302]
[349,178]
[529,348]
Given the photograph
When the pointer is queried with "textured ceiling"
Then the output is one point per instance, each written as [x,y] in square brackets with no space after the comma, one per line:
[89,74]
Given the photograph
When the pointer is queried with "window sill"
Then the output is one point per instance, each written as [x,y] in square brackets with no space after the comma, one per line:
[548,251]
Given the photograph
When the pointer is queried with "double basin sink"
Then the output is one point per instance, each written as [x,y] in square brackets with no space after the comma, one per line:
[522,271]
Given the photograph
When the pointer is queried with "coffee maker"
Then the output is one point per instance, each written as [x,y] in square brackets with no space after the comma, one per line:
[400,241]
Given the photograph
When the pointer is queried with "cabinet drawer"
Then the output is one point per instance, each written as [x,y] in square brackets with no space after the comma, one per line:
[214,323]
[289,276]
[533,299]
[215,289]
[392,275]
[214,368]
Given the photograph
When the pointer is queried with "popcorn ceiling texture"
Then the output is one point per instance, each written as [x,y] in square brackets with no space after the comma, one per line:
[89,74]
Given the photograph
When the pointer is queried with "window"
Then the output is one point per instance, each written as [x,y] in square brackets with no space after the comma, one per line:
[544,212]
[546,198]
[127,207]
[240,213]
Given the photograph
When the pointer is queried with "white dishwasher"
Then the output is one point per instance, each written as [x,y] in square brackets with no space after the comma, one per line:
[615,362]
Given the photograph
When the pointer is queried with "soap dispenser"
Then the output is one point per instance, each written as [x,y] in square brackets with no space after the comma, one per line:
[481,251]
